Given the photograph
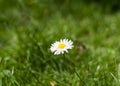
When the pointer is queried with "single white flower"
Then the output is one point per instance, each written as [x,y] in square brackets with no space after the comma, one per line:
[59,47]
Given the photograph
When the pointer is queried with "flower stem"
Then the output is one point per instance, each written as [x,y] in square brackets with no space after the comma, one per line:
[64,56]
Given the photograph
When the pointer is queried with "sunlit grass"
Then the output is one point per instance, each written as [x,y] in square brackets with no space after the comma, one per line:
[28,29]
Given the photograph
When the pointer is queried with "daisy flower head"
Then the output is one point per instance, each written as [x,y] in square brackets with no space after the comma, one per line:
[62,46]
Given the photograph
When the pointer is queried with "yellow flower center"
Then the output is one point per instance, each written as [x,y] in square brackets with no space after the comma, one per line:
[61,46]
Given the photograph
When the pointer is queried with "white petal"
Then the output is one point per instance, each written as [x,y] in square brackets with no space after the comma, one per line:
[54,47]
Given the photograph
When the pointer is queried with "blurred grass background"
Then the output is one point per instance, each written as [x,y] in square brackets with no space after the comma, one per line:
[28,27]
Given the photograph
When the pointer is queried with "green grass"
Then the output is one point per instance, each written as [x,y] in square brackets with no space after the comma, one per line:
[28,28]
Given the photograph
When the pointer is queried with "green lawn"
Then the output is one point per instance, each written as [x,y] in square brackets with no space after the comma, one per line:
[28,28]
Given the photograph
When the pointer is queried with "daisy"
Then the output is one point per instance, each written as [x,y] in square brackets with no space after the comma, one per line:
[62,46]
